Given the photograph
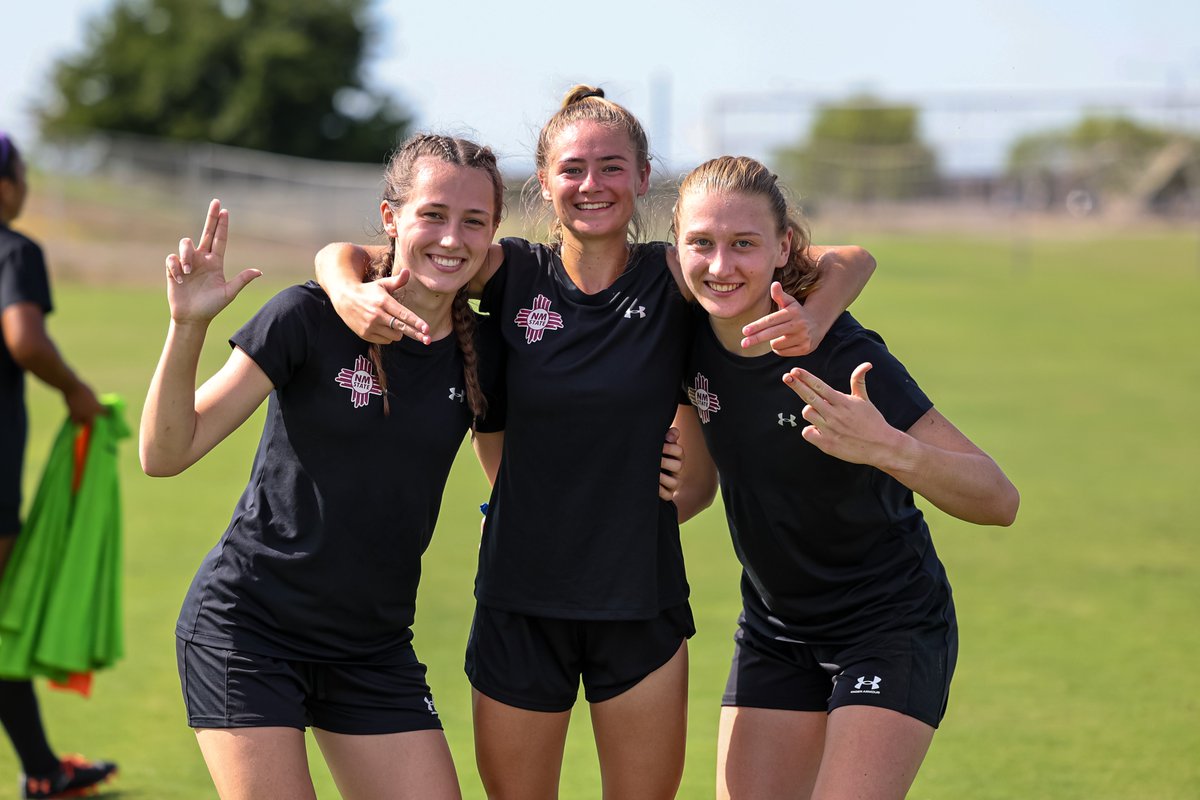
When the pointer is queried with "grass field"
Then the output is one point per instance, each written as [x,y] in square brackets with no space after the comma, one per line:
[1072,360]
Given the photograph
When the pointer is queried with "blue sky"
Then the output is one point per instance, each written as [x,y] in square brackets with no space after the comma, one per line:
[497,71]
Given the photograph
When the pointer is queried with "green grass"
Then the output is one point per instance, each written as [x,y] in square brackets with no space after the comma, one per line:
[1072,361]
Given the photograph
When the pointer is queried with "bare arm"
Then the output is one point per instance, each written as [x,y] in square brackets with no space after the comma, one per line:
[180,424]
[796,329]
[488,448]
[375,310]
[933,458]
[25,335]
[697,482]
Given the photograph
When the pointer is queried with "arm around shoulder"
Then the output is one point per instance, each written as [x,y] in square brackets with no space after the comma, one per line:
[844,273]
[697,480]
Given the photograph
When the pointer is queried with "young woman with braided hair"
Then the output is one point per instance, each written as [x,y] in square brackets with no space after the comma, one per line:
[581,571]
[847,639]
[301,615]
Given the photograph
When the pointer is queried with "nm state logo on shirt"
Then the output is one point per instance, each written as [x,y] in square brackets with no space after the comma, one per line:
[360,381]
[706,402]
[538,320]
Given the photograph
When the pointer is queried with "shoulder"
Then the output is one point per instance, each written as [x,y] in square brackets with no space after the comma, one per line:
[307,298]
[516,248]
[845,346]
[18,248]
[300,306]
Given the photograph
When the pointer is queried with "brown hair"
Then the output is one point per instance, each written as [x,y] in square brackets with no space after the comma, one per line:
[742,175]
[398,181]
[584,103]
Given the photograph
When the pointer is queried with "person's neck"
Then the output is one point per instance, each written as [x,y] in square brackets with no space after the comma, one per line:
[729,332]
[594,264]
[435,309]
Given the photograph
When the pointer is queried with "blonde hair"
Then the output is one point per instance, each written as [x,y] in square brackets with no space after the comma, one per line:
[583,103]
[745,176]
[398,182]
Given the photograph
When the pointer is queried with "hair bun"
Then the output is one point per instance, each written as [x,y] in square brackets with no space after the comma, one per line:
[581,92]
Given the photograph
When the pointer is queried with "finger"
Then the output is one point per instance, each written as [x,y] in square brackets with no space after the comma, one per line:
[781,298]
[672,451]
[812,435]
[396,281]
[174,269]
[764,325]
[818,387]
[673,435]
[186,251]
[670,465]
[405,323]
[858,381]
[221,236]
[813,417]
[801,382]
[241,279]
[210,226]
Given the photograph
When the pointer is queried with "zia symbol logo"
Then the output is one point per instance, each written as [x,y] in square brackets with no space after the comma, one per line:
[538,320]
[705,401]
[360,381]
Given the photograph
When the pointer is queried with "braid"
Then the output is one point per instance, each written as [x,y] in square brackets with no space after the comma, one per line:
[464,330]
[375,270]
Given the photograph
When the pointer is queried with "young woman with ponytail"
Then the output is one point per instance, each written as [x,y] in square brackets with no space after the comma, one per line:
[847,639]
[301,615]
[581,573]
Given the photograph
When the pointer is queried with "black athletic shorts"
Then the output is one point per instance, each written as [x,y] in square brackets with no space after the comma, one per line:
[536,663]
[235,689]
[906,672]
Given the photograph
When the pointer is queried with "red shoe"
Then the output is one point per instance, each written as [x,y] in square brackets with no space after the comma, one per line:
[75,777]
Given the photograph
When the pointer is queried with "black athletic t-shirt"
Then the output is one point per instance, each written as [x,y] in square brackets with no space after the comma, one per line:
[831,550]
[23,279]
[322,557]
[575,528]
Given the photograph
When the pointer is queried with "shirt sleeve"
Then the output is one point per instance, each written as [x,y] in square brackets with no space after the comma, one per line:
[491,364]
[515,250]
[891,389]
[23,277]
[280,336]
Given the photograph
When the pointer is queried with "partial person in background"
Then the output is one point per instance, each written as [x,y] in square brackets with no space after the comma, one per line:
[581,573]
[27,347]
[847,639]
[301,615]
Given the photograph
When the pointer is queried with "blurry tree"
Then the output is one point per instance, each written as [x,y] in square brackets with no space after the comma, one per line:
[861,149]
[277,75]
[1105,152]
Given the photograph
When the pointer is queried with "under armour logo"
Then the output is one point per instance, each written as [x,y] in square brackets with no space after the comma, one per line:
[640,311]
[869,683]
[790,419]
[456,395]
[429,705]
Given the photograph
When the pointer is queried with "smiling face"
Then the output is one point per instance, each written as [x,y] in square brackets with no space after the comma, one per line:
[445,226]
[729,248]
[593,179]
